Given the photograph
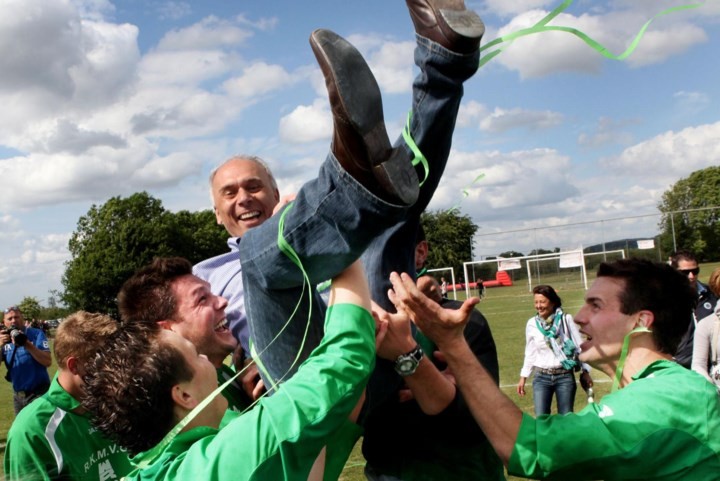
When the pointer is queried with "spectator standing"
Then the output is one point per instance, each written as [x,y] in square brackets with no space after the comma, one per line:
[686,262]
[52,438]
[706,340]
[443,288]
[551,354]
[26,353]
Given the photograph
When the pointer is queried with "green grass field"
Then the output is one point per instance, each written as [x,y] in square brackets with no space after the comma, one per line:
[507,310]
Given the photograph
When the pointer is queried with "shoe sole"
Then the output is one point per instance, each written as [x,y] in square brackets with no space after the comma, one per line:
[361,100]
[465,23]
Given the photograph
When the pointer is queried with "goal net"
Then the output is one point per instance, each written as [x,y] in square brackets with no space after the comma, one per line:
[449,274]
[562,270]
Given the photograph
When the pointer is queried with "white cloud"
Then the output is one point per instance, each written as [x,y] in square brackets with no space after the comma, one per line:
[173,10]
[257,79]
[165,170]
[514,182]
[551,52]
[188,67]
[505,8]
[207,34]
[473,113]
[548,52]
[691,103]
[671,155]
[307,123]
[390,61]
[392,66]
[658,45]
[502,120]
[607,131]
[470,113]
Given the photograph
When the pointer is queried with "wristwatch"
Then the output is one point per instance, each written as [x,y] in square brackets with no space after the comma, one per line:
[406,364]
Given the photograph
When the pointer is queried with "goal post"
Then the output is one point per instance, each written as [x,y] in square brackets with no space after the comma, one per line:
[571,259]
[452,278]
[564,268]
[572,262]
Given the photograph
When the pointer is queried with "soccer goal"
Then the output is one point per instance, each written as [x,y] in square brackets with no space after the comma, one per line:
[562,270]
[565,269]
[451,283]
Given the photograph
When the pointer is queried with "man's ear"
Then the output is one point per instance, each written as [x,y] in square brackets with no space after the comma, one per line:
[421,253]
[645,319]
[217,216]
[72,365]
[166,325]
[182,397]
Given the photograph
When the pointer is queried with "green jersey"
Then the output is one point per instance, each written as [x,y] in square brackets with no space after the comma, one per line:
[282,435]
[662,426]
[48,441]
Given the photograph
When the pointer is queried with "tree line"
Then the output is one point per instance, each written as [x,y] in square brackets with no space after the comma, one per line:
[112,240]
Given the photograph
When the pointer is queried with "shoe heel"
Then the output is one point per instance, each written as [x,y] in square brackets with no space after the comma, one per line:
[397,176]
[465,23]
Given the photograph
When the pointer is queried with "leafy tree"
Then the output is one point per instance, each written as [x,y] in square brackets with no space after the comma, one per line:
[112,241]
[698,231]
[198,235]
[509,254]
[541,251]
[30,308]
[450,236]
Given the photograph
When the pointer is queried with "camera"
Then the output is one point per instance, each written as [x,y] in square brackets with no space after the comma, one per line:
[17,336]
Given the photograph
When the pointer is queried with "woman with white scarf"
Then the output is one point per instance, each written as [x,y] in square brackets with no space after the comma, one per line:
[551,351]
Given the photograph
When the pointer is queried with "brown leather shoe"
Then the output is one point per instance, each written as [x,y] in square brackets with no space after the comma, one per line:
[448,23]
[360,141]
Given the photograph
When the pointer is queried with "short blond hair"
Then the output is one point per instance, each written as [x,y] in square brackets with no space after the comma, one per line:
[81,335]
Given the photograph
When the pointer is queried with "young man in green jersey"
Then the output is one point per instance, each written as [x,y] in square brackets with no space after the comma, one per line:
[165,292]
[663,421]
[52,437]
[149,379]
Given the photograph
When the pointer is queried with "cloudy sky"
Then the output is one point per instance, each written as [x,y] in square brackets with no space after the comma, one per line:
[106,98]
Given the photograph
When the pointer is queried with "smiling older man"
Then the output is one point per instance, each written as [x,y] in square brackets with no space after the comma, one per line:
[366,199]
[663,421]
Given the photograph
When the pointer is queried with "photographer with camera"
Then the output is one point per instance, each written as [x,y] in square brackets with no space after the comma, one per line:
[26,353]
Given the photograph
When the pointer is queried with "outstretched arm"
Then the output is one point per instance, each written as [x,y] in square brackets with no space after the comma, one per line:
[432,390]
[496,414]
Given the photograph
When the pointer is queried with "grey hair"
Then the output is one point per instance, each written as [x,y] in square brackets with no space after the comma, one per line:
[251,158]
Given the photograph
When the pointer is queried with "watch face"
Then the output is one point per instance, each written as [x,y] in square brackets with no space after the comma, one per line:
[406,366]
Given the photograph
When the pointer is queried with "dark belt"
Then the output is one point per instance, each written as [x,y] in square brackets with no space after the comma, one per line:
[38,391]
[556,371]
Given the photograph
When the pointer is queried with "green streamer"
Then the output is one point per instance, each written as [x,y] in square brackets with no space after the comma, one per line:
[465,193]
[418,157]
[542,26]
[623,356]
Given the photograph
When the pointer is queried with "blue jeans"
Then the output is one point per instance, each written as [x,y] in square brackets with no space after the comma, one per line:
[564,387]
[334,220]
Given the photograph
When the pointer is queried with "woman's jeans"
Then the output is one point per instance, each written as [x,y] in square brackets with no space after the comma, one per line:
[564,387]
